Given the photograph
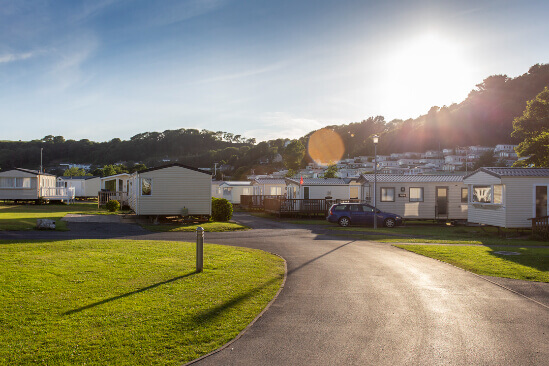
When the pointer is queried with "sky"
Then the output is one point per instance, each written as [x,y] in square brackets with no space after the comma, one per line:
[265,69]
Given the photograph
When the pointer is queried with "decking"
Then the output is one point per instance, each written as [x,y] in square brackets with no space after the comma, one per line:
[540,226]
[256,202]
[105,196]
[297,207]
[65,194]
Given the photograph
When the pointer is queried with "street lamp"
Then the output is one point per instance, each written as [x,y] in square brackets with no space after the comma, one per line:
[375,138]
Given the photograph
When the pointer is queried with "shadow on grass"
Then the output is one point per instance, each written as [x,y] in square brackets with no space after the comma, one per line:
[537,258]
[211,314]
[127,294]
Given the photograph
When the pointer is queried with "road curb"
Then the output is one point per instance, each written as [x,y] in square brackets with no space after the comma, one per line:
[481,277]
[226,345]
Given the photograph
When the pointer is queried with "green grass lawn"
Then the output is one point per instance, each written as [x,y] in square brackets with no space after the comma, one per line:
[532,264]
[207,226]
[427,232]
[23,217]
[123,302]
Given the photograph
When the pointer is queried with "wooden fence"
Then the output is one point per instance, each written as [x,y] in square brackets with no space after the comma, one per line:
[292,206]
[106,196]
[255,202]
[540,226]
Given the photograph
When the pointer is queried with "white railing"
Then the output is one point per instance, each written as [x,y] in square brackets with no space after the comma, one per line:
[62,193]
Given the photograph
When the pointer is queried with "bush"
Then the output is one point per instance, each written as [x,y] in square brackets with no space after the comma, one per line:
[113,205]
[222,210]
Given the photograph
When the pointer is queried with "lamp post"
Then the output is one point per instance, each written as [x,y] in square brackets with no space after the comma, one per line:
[375,138]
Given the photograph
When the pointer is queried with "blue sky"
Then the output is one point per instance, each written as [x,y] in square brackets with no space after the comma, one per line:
[265,69]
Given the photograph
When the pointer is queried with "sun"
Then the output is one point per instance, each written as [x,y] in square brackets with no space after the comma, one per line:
[426,70]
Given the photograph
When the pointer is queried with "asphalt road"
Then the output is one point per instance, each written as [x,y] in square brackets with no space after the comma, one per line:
[349,302]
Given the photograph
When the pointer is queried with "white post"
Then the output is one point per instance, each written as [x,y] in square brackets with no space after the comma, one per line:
[375,139]
[199,249]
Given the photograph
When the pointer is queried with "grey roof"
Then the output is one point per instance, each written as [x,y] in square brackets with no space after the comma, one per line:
[270,180]
[320,181]
[236,183]
[35,172]
[399,178]
[77,178]
[172,165]
[513,172]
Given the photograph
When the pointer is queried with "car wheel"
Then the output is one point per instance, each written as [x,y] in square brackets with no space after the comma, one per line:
[390,223]
[344,222]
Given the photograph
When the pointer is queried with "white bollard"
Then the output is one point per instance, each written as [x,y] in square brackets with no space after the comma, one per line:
[199,249]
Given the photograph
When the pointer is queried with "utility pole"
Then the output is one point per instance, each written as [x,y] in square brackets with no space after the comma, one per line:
[41,167]
[215,169]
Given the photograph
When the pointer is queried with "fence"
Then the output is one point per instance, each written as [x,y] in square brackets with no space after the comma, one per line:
[256,202]
[58,193]
[106,196]
[294,206]
[540,226]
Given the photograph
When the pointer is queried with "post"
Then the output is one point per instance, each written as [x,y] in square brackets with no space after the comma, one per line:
[375,139]
[199,249]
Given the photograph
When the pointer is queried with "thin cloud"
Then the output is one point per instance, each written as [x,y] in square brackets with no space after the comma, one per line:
[15,57]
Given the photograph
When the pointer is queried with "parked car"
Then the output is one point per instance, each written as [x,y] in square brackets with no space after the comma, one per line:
[346,214]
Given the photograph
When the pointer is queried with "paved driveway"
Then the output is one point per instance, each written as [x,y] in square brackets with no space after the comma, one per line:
[349,302]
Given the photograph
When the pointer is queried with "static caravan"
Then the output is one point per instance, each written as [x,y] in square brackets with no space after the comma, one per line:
[507,197]
[116,183]
[24,184]
[84,187]
[269,187]
[324,188]
[217,191]
[173,189]
[435,197]
[232,190]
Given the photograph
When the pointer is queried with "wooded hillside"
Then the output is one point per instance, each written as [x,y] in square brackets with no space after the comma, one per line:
[485,117]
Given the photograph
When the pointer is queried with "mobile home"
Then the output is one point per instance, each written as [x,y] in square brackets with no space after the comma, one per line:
[232,190]
[173,189]
[84,187]
[418,196]
[507,197]
[324,188]
[23,184]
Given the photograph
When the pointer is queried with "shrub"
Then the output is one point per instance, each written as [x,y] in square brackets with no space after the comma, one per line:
[113,205]
[222,210]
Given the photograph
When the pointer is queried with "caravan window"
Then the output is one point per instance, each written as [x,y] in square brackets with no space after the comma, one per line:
[488,194]
[388,194]
[15,182]
[146,186]
[416,194]
[464,195]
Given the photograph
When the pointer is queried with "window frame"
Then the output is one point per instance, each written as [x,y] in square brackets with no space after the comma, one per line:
[492,187]
[150,187]
[422,190]
[381,197]
[466,200]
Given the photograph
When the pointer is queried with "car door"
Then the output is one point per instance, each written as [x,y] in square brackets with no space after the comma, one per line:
[357,215]
[368,214]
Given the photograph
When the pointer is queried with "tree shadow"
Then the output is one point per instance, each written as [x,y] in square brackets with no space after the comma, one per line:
[127,294]
[533,257]
[210,314]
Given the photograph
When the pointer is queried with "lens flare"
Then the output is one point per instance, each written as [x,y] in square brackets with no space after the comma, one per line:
[325,146]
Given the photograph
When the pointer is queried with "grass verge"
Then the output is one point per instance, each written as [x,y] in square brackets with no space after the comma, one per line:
[23,217]
[123,302]
[532,264]
[442,234]
[207,226]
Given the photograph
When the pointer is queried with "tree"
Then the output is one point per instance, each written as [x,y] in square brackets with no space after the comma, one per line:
[293,155]
[75,172]
[485,160]
[331,171]
[533,128]
[108,170]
